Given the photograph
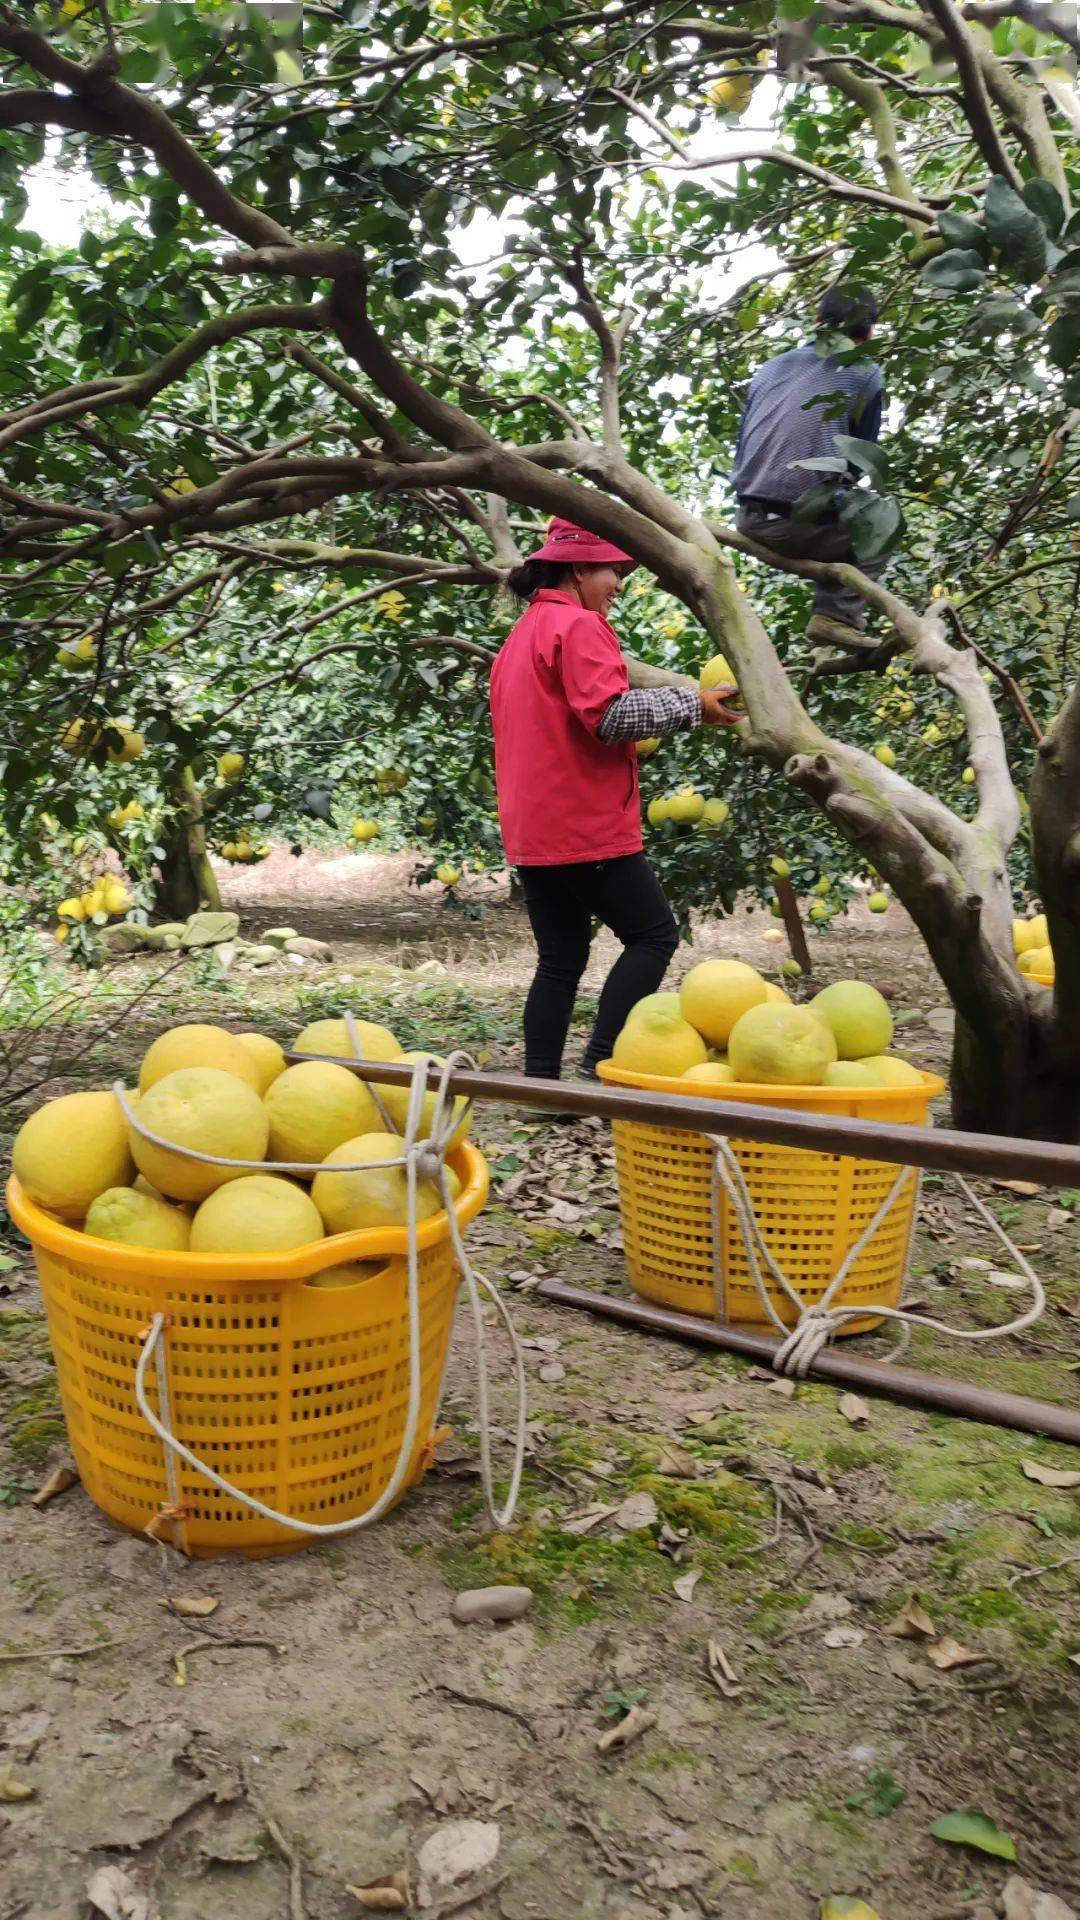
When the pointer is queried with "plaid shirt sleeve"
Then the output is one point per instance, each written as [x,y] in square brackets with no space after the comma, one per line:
[648,711]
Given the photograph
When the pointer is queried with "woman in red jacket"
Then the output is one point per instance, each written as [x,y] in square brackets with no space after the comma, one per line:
[565,723]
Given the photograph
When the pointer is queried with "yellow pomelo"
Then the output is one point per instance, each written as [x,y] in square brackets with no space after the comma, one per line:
[71,1150]
[314,1107]
[259,1214]
[858,1016]
[1021,935]
[894,1071]
[878,902]
[781,1046]
[230,765]
[710,1073]
[851,1073]
[372,1196]
[686,808]
[267,1055]
[716,673]
[776,994]
[396,1102]
[353,1274]
[132,745]
[657,811]
[448,874]
[1037,960]
[715,812]
[138,1219]
[658,1040]
[716,993]
[332,1037]
[1039,932]
[197,1046]
[654,1003]
[209,1111]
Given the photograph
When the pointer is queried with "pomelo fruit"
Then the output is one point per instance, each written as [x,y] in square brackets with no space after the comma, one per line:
[858,1016]
[851,1073]
[1039,932]
[791,969]
[353,1274]
[230,765]
[262,1213]
[715,812]
[662,1002]
[885,754]
[396,1102]
[658,1040]
[313,1107]
[894,1072]
[267,1055]
[197,1046]
[138,1219]
[686,809]
[657,811]
[1037,960]
[332,1037]
[781,1046]
[878,902]
[374,1196]
[716,673]
[776,994]
[710,1073]
[208,1110]
[715,993]
[71,1150]
[1021,935]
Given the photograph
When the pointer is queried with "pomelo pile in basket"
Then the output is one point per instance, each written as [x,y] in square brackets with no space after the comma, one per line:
[216,1093]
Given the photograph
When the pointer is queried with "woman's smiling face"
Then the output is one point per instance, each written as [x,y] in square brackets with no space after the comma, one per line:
[597,587]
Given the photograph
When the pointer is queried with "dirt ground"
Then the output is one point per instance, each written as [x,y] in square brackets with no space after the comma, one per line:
[792,1748]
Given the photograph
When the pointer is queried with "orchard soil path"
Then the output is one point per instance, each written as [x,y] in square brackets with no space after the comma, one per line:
[279,1775]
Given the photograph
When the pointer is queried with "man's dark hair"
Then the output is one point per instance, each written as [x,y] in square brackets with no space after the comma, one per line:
[851,310]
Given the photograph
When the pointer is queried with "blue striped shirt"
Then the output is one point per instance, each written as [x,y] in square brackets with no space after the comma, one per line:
[795,404]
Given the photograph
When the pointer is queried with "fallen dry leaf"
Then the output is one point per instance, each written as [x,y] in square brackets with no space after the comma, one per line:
[783,1388]
[843,1637]
[392,1894]
[637,1512]
[1017,1186]
[453,1852]
[632,1725]
[1058,1217]
[12,1790]
[586,1519]
[194,1606]
[1009,1282]
[1049,1476]
[685,1584]
[854,1409]
[112,1892]
[677,1463]
[58,1481]
[1074,1659]
[912,1623]
[721,1672]
[947,1653]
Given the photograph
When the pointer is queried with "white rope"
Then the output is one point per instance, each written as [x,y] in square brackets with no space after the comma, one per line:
[422,1158]
[818,1323]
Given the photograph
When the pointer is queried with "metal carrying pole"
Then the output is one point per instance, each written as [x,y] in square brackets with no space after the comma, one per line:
[907,1384]
[988,1156]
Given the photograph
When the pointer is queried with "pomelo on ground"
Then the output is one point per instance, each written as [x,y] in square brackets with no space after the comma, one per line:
[396,1102]
[267,1055]
[262,1213]
[858,1016]
[209,1111]
[851,1073]
[332,1037]
[314,1107]
[658,1040]
[710,1073]
[715,993]
[781,1046]
[71,1150]
[138,1219]
[197,1046]
[878,902]
[894,1071]
[373,1196]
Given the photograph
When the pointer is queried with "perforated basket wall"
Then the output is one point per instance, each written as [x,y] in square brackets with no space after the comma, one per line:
[297,1394]
[811,1207]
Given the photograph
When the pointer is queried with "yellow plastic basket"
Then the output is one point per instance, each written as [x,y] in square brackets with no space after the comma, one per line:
[296,1394]
[811,1207]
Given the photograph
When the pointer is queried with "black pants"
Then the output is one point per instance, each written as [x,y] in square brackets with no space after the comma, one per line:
[561,903]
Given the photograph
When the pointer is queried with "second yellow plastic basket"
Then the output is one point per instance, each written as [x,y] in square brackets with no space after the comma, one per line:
[297,1394]
[811,1207]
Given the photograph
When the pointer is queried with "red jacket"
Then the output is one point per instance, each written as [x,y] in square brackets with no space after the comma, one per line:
[563,795]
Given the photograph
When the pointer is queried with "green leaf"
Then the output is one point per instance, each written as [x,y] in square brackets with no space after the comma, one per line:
[974,1829]
[958,231]
[815,502]
[867,455]
[1044,200]
[960,270]
[1063,340]
[875,523]
[1011,226]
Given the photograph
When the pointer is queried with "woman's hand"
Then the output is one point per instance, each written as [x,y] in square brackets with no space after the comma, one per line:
[716,708]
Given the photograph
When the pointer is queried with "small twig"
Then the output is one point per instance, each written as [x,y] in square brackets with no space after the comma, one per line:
[285,1848]
[201,1646]
[493,1706]
[774,1538]
[1036,1573]
[64,1653]
[463,1900]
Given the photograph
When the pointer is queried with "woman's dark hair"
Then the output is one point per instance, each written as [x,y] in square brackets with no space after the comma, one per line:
[528,579]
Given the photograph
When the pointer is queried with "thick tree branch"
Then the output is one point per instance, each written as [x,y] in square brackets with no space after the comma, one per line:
[976,98]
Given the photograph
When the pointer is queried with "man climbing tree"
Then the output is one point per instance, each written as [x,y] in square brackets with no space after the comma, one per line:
[796,406]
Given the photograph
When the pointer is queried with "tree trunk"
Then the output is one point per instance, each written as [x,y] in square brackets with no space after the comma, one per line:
[1033,1093]
[187,880]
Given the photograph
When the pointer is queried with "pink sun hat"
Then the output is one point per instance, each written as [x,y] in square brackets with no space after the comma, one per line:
[568,543]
